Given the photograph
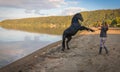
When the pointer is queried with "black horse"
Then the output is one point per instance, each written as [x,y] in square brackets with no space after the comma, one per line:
[73,29]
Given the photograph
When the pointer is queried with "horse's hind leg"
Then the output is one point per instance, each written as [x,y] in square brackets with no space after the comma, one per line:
[63,43]
[68,40]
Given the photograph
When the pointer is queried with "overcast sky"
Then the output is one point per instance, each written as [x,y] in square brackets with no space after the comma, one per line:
[12,9]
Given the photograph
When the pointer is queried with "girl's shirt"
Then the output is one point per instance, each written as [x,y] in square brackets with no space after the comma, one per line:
[103,32]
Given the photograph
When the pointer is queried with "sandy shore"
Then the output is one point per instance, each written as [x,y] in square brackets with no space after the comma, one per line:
[82,57]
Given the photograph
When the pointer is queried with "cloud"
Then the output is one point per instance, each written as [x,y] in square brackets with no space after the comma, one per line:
[73,2]
[32,4]
[15,13]
[72,10]
[10,9]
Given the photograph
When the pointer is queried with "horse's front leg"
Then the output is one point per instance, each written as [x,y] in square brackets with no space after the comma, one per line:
[85,28]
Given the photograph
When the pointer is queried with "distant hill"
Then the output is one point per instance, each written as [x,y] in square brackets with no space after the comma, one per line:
[91,18]
[95,18]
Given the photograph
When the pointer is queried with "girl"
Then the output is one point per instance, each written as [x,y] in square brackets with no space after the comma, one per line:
[103,36]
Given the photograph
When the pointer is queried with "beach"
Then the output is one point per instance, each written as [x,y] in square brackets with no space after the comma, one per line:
[82,57]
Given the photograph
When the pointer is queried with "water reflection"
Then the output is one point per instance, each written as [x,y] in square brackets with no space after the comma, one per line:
[17,44]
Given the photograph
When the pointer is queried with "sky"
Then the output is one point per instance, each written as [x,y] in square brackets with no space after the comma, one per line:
[15,9]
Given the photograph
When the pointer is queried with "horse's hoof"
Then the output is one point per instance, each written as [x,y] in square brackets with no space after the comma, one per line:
[68,48]
[92,30]
[62,49]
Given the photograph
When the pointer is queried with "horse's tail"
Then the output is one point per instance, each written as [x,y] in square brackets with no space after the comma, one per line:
[63,42]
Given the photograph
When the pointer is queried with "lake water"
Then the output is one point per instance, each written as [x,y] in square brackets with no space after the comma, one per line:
[17,44]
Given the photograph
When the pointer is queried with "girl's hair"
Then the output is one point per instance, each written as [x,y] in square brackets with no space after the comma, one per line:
[105,23]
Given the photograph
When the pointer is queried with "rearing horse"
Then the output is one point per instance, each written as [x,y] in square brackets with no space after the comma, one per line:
[73,29]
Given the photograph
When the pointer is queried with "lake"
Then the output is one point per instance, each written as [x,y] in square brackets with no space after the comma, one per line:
[15,44]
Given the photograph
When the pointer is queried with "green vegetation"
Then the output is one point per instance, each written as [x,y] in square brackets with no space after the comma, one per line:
[57,24]
[95,18]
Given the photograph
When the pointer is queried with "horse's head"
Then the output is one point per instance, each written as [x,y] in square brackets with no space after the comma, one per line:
[79,16]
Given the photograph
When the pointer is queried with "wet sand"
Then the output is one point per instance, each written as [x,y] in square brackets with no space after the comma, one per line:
[82,57]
